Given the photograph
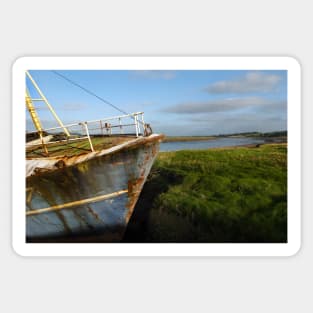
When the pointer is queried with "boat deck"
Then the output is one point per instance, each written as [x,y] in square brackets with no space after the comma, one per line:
[74,148]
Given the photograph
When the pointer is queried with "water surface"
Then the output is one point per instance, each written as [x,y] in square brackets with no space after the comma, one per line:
[206,144]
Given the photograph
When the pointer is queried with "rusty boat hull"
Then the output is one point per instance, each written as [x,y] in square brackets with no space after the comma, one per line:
[89,197]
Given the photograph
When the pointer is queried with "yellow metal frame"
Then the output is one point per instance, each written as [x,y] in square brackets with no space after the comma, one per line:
[33,112]
[76,203]
[35,118]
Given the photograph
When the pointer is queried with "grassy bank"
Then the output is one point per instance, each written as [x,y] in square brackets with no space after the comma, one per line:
[221,195]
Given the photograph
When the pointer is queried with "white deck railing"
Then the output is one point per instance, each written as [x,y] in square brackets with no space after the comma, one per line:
[128,124]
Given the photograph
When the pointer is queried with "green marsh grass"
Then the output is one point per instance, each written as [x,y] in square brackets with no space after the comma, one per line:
[218,195]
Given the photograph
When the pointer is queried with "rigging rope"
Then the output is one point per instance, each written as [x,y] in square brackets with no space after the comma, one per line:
[147,127]
[88,91]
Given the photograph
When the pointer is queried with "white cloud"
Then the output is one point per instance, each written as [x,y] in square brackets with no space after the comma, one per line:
[224,105]
[154,74]
[73,106]
[223,125]
[250,83]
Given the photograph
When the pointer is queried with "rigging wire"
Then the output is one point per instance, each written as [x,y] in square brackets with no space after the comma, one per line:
[147,127]
[88,91]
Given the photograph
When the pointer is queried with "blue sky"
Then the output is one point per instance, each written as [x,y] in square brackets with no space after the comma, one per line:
[181,102]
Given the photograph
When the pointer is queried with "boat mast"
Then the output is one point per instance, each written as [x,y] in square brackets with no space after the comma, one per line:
[33,113]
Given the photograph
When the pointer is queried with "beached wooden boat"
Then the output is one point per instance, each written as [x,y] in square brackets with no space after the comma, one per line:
[84,187]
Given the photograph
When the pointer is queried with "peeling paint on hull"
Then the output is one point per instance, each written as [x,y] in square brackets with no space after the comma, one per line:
[94,195]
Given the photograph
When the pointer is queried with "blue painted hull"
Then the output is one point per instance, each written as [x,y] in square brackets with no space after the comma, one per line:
[121,174]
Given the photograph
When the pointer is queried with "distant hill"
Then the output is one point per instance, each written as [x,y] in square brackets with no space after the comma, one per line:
[256,134]
[211,137]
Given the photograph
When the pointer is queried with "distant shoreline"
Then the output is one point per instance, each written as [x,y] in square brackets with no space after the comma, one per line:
[267,139]
[187,138]
[248,145]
